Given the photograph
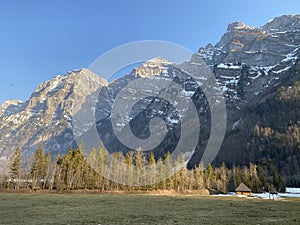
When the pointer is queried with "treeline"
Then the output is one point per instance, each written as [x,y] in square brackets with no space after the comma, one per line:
[133,171]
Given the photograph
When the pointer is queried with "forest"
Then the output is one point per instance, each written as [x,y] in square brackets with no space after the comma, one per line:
[134,170]
[276,132]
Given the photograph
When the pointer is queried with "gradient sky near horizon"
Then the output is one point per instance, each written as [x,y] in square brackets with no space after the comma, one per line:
[41,39]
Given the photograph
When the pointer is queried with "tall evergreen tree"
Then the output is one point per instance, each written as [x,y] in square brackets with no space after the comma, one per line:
[47,169]
[15,168]
[152,170]
[38,168]
[210,177]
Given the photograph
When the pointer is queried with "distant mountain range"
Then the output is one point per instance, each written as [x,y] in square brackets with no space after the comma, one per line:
[257,69]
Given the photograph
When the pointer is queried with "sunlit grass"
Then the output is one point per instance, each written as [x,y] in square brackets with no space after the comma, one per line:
[143,209]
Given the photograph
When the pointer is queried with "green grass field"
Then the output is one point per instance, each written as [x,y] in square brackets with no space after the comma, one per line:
[32,209]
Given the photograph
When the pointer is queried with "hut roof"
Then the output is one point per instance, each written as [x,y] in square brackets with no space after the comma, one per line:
[243,188]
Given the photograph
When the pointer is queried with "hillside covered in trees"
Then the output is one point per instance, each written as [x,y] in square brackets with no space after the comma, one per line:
[269,133]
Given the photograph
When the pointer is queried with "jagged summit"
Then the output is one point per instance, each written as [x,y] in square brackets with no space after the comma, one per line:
[262,47]
[158,60]
[83,72]
[10,102]
[282,24]
[8,106]
[277,24]
[238,26]
[75,86]
[75,77]
[152,67]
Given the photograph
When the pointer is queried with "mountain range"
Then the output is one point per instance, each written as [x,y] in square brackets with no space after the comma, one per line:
[258,72]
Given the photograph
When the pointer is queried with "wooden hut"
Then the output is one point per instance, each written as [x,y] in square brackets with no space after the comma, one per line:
[242,189]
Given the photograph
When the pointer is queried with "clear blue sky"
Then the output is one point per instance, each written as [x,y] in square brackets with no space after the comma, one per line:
[40,39]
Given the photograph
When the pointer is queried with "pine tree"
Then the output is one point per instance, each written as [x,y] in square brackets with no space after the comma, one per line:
[15,168]
[152,172]
[160,185]
[262,176]
[183,174]
[168,171]
[78,166]
[130,169]
[224,177]
[138,167]
[67,169]
[115,171]
[255,181]
[200,176]
[236,176]
[103,163]
[90,166]
[38,167]
[47,168]
[58,175]
[246,176]
[210,177]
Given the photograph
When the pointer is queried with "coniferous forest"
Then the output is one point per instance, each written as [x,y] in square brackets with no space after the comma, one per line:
[76,171]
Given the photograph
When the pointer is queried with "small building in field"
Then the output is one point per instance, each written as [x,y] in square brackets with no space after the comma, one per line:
[242,189]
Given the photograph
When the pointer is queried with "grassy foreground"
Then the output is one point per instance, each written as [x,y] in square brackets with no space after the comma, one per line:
[143,209]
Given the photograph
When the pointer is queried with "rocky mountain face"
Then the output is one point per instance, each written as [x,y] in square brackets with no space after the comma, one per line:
[253,67]
[245,56]
[46,117]
[157,70]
